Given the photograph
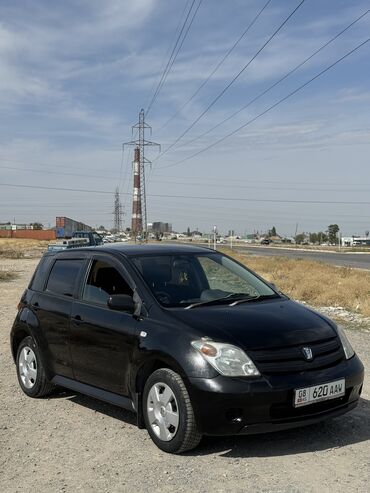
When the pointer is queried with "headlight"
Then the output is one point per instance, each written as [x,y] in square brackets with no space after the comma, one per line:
[227,359]
[348,350]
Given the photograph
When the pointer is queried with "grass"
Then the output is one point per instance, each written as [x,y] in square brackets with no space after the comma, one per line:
[7,275]
[316,283]
[18,248]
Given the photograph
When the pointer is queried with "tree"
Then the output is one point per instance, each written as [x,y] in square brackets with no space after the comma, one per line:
[102,228]
[272,231]
[37,225]
[314,238]
[188,232]
[333,230]
[322,237]
[300,238]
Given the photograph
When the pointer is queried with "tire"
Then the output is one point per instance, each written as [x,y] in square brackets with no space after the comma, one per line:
[30,370]
[168,413]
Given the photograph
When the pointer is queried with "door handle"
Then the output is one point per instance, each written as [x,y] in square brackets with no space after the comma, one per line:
[35,305]
[77,319]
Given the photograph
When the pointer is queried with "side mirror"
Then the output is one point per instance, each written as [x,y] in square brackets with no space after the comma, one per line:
[122,302]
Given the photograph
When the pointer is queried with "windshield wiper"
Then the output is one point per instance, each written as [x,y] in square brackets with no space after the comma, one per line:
[253,298]
[215,301]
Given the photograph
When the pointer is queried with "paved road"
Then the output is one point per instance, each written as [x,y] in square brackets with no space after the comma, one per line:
[358,260]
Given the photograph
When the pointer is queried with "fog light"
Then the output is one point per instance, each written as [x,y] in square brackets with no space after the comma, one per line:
[235,415]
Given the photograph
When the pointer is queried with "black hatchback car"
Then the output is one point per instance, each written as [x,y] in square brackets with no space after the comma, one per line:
[186,337]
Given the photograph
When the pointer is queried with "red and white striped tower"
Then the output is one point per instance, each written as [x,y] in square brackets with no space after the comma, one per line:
[137,219]
[139,212]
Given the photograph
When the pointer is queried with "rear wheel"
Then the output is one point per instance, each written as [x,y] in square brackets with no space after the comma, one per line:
[168,413]
[30,371]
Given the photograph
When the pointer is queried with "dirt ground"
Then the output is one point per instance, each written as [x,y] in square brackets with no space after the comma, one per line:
[71,443]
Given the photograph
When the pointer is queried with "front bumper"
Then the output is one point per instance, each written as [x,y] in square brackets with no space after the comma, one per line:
[231,406]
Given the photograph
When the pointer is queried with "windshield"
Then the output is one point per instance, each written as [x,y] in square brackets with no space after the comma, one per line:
[184,280]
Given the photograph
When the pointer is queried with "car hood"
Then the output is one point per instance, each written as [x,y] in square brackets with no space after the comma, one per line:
[257,325]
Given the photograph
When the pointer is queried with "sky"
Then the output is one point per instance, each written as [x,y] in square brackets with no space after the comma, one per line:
[75,75]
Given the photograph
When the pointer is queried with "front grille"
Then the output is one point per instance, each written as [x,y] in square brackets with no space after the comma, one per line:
[325,353]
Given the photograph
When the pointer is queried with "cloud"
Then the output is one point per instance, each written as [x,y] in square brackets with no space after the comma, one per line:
[352,95]
[75,73]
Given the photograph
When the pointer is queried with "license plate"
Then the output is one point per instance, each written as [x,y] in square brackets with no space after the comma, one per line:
[318,393]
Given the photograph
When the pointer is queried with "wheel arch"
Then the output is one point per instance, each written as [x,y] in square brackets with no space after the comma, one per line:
[155,362]
[21,329]
[19,333]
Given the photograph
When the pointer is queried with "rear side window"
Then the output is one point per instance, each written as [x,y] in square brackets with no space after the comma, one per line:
[63,276]
[38,280]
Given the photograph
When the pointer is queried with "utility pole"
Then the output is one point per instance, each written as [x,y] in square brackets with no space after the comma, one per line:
[231,239]
[117,212]
[139,207]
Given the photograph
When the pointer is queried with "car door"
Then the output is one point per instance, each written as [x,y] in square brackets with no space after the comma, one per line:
[52,308]
[102,339]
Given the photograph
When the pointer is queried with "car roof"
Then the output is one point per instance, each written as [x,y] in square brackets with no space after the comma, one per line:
[151,248]
[140,249]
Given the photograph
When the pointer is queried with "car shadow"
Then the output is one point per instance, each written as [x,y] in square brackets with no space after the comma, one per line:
[96,405]
[348,429]
[335,433]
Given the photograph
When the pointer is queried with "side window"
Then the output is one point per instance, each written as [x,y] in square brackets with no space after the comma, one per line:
[97,238]
[38,280]
[104,280]
[63,276]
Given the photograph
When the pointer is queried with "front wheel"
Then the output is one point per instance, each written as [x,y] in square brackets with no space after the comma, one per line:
[168,413]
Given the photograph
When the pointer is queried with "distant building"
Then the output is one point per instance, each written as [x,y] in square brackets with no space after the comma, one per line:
[355,241]
[65,227]
[14,227]
[159,227]
[275,239]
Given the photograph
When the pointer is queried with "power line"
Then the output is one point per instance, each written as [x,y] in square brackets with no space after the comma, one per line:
[270,108]
[63,189]
[174,53]
[221,211]
[253,213]
[121,168]
[283,182]
[52,172]
[233,186]
[256,187]
[282,201]
[192,197]
[183,39]
[47,165]
[220,94]
[176,33]
[227,54]
[224,184]
[288,74]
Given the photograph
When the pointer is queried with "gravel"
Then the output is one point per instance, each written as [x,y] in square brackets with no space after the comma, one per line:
[70,442]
